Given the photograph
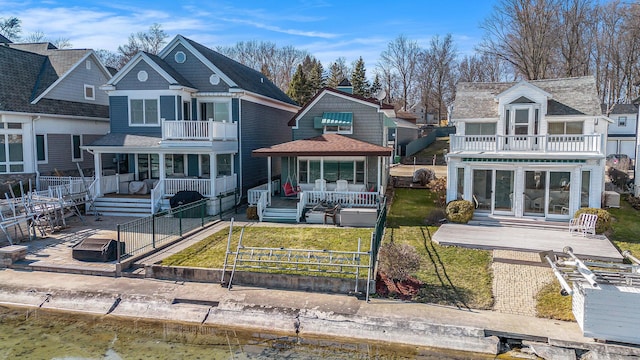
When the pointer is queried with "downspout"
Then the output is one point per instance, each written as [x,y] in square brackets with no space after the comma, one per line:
[239,198]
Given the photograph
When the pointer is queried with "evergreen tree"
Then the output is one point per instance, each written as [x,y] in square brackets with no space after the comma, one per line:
[299,89]
[375,86]
[316,78]
[359,79]
[336,75]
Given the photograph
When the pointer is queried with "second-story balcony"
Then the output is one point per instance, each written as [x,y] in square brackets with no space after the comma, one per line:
[528,143]
[198,130]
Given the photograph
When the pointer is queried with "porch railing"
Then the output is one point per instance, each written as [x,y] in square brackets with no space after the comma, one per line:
[45,182]
[226,184]
[172,186]
[537,143]
[262,204]
[253,194]
[304,199]
[111,183]
[359,199]
[199,130]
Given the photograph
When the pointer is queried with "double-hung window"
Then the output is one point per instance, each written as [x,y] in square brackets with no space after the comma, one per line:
[76,152]
[215,111]
[144,112]
[566,128]
[224,164]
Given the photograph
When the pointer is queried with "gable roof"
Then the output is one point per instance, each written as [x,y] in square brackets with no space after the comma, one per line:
[171,71]
[324,145]
[570,96]
[157,63]
[243,76]
[326,90]
[4,40]
[619,109]
[24,75]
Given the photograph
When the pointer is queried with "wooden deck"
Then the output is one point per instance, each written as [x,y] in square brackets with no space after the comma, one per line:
[526,239]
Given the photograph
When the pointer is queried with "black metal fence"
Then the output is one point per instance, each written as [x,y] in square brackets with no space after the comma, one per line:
[146,234]
[378,234]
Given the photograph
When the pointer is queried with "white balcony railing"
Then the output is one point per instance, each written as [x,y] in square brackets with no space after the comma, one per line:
[226,184]
[536,143]
[199,130]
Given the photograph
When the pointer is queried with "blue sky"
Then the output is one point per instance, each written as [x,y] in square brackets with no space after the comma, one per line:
[328,29]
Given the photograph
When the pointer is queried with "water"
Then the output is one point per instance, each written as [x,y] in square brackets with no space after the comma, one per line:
[45,334]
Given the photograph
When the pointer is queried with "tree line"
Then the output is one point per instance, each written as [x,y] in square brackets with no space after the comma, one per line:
[523,39]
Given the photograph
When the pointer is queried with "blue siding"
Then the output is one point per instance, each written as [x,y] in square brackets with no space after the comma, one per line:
[168,107]
[130,80]
[194,71]
[261,126]
[179,107]
[119,115]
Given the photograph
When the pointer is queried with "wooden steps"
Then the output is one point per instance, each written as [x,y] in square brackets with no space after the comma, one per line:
[122,206]
[280,215]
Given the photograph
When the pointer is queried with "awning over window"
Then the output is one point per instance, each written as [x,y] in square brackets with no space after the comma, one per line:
[336,119]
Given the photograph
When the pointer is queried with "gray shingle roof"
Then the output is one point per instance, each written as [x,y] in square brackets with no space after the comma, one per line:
[61,59]
[620,109]
[24,75]
[570,96]
[245,77]
[171,71]
[126,140]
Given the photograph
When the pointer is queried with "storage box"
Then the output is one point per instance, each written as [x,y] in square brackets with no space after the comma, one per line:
[358,217]
[611,199]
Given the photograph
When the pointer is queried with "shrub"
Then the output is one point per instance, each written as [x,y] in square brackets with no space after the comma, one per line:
[439,186]
[604,218]
[252,213]
[399,261]
[459,211]
[435,217]
[634,202]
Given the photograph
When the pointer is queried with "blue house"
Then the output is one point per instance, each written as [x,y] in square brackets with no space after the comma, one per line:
[186,119]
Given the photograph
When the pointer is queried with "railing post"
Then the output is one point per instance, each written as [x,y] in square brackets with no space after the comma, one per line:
[153,230]
[180,217]
[118,252]
[202,207]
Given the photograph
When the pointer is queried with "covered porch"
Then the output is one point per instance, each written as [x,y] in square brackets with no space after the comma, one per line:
[142,166]
[326,173]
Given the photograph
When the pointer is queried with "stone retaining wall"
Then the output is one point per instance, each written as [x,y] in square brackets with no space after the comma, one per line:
[266,280]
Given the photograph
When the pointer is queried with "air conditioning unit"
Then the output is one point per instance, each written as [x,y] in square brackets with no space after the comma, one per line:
[611,199]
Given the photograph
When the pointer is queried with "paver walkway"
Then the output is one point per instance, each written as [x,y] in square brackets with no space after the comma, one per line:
[517,278]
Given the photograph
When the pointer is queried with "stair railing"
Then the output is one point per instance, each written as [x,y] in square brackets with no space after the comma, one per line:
[262,205]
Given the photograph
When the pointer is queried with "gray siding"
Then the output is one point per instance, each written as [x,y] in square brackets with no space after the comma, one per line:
[194,71]
[119,115]
[367,121]
[261,126]
[130,80]
[59,155]
[72,87]
[168,107]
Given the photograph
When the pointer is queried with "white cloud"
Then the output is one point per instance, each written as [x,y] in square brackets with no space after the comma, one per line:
[308,33]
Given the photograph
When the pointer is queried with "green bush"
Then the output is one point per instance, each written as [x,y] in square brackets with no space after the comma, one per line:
[459,211]
[604,218]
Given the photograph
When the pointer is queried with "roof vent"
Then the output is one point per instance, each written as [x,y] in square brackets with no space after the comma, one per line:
[261,80]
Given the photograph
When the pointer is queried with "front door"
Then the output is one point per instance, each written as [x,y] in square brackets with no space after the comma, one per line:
[503,192]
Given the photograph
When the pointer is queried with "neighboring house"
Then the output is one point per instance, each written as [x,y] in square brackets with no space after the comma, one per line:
[623,129]
[50,105]
[528,149]
[404,133]
[340,149]
[187,119]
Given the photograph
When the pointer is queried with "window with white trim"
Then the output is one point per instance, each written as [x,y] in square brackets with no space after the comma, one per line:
[622,121]
[143,112]
[341,129]
[224,163]
[480,128]
[41,148]
[76,152]
[11,153]
[89,92]
[566,128]
[351,170]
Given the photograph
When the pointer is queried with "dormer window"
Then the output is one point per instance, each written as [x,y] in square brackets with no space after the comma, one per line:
[622,121]
[522,118]
[335,123]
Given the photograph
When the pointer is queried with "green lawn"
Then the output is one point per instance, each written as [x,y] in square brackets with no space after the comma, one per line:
[210,252]
[625,232]
[552,305]
[451,275]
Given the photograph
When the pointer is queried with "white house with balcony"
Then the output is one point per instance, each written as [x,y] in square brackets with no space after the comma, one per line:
[186,119]
[531,149]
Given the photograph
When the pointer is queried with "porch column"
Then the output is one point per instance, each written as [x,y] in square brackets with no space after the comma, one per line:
[321,170]
[162,165]
[269,179]
[380,175]
[97,165]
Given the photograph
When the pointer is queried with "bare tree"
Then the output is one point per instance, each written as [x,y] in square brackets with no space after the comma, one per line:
[575,37]
[482,68]
[151,41]
[443,53]
[10,28]
[109,58]
[37,36]
[400,59]
[523,33]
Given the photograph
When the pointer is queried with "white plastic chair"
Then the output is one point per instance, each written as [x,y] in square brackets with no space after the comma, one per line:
[321,185]
[342,186]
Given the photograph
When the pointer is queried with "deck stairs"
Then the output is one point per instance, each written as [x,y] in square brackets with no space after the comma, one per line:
[280,215]
[525,223]
[122,206]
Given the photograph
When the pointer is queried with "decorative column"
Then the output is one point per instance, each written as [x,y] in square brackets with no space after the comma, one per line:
[97,165]
[269,179]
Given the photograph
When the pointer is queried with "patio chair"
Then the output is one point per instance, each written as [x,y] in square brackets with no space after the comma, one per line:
[289,190]
[332,214]
[583,224]
[320,185]
[342,186]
